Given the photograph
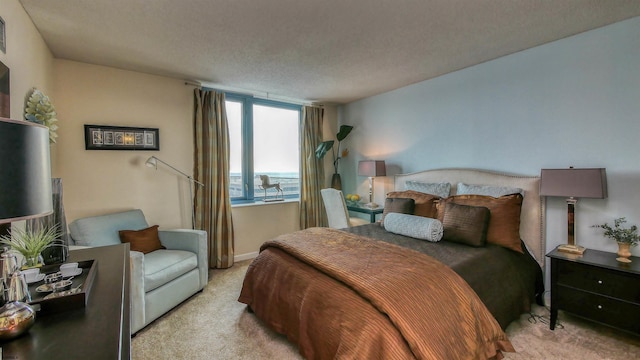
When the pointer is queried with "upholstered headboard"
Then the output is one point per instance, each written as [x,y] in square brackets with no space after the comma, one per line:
[532,214]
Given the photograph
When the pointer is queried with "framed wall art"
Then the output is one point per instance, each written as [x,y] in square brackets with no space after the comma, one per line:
[102,137]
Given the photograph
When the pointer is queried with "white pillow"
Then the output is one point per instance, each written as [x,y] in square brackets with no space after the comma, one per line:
[488,190]
[418,227]
[438,189]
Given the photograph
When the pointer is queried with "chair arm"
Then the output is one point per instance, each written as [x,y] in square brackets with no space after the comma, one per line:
[137,291]
[189,240]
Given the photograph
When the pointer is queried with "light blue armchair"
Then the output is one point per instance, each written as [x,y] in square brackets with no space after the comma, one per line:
[160,280]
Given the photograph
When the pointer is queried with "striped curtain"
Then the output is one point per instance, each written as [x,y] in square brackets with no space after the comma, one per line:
[311,169]
[212,202]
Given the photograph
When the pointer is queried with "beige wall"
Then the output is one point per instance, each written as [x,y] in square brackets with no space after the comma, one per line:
[28,57]
[97,181]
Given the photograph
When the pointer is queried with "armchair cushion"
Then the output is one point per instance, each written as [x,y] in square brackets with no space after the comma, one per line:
[162,266]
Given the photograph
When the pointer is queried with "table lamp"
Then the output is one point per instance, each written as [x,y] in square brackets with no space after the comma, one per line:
[371,168]
[573,184]
[25,171]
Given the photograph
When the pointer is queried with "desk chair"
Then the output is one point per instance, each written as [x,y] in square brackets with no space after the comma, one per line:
[337,212]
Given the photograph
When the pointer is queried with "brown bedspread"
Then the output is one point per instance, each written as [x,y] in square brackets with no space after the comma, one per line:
[506,281]
[344,296]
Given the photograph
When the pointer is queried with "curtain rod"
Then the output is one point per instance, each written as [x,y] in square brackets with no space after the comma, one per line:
[265,95]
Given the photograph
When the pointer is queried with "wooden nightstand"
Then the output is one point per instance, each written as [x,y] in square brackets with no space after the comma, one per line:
[597,287]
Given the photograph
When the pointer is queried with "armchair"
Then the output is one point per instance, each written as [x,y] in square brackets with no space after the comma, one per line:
[161,279]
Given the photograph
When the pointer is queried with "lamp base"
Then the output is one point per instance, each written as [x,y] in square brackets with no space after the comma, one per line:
[572,249]
[371,205]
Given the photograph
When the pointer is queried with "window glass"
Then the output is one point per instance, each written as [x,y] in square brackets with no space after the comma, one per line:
[234,119]
[264,138]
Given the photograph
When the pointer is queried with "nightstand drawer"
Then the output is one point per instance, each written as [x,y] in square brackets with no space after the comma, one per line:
[599,280]
[621,314]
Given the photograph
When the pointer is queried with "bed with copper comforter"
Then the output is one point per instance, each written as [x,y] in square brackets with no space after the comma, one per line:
[365,293]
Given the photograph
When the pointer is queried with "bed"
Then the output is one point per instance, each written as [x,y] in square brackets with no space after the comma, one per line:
[368,293]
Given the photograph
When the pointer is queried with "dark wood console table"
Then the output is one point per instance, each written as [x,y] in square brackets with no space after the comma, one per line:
[101,330]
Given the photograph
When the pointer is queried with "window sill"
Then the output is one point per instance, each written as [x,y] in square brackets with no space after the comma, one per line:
[262,203]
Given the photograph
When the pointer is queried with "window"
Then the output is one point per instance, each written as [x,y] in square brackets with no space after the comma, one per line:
[264,137]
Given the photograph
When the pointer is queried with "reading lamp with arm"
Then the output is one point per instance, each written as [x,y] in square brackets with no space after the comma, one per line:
[573,184]
[153,162]
[371,168]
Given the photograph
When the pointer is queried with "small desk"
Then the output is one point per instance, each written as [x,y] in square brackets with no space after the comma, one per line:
[101,330]
[366,210]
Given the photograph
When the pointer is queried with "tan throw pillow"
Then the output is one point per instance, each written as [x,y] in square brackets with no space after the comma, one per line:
[466,224]
[397,205]
[504,223]
[145,240]
[425,204]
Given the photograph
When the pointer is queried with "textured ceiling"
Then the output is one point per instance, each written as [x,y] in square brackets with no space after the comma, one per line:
[333,51]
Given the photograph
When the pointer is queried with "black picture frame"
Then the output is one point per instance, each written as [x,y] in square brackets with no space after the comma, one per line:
[103,137]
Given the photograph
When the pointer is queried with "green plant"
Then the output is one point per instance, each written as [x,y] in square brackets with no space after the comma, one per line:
[31,243]
[325,146]
[40,110]
[620,234]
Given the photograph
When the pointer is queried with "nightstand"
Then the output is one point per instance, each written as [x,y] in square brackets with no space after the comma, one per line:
[365,210]
[597,287]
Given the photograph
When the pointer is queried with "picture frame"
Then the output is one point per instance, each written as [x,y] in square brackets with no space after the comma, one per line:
[105,137]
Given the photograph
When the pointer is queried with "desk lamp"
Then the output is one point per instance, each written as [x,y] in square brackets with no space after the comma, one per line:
[371,168]
[573,184]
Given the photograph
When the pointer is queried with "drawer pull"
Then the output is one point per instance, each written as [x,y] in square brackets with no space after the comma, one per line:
[599,307]
[600,282]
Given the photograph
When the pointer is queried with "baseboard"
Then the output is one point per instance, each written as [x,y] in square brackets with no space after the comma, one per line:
[247,256]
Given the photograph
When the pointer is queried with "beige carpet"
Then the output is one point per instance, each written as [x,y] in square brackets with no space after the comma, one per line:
[213,325]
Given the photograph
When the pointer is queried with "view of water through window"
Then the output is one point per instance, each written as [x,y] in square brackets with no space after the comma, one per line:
[275,148]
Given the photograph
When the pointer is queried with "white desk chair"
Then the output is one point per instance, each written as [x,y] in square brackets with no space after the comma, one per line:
[337,212]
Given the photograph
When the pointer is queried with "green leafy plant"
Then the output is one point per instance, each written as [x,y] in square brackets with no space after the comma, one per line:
[40,110]
[31,243]
[620,234]
[325,146]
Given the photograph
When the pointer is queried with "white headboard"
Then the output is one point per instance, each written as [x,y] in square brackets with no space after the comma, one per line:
[532,215]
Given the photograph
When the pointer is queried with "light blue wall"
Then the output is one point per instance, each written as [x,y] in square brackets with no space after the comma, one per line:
[573,102]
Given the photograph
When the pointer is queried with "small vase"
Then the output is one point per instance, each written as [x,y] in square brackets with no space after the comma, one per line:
[336,182]
[624,252]
[32,262]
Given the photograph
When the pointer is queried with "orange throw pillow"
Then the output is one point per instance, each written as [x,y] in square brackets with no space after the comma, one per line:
[145,240]
[425,204]
[504,222]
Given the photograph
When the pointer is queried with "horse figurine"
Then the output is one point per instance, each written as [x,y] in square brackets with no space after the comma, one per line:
[266,184]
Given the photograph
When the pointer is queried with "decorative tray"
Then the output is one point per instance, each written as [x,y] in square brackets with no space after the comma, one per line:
[75,298]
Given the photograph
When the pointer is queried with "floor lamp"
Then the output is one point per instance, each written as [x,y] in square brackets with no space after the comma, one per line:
[153,162]
[573,184]
[371,168]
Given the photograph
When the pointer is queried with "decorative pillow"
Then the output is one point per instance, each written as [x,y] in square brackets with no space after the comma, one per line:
[495,191]
[414,226]
[504,223]
[439,189]
[397,205]
[145,240]
[425,204]
[466,224]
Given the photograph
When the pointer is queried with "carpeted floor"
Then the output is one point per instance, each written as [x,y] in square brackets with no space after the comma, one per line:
[213,325]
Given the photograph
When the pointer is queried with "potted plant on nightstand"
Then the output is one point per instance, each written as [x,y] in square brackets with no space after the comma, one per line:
[624,237]
[325,146]
[31,243]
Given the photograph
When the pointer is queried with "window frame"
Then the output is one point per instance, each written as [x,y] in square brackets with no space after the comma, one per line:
[247,103]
